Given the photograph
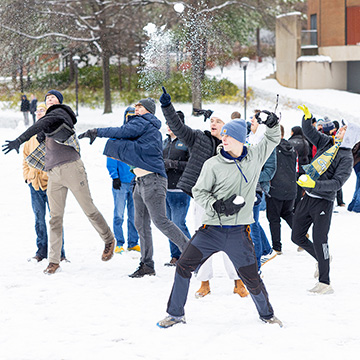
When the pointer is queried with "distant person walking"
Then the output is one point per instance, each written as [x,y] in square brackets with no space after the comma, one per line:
[25,108]
[33,106]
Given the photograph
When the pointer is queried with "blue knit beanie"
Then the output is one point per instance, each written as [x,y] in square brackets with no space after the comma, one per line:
[58,94]
[236,129]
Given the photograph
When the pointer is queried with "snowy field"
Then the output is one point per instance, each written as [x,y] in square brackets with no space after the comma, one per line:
[93,310]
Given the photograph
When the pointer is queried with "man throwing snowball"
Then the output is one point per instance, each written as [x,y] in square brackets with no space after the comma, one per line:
[330,169]
[226,190]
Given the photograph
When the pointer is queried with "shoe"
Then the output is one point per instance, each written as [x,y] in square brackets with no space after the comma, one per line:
[316,273]
[108,252]
[64,259]
[119,250]
[342,205]
[52,269]
[142,271]
[240,288]
[300,249]
[134,248]
[321,288]
[273,320]
[36,258]
[204,289]
[278,252]
[265,258]
[172,262]
[170,321]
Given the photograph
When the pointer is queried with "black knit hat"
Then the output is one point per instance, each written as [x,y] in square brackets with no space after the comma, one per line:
[181,116]
[148,104]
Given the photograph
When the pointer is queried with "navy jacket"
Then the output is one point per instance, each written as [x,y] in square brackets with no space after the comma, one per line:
[137,143]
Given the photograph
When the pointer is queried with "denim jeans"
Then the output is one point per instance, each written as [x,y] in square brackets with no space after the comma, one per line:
[355,202]
[150,205]
[123,197]
[39,202]
[261,243]
[177,206]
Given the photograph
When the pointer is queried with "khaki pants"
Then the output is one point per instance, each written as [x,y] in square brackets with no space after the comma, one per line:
[71,176]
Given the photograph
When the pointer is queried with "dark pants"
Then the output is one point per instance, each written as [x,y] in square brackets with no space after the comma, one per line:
[317,212]
[237,244]
[150,205]
[275,210]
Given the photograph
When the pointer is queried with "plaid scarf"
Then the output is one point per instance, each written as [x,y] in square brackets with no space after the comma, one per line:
[322,163]
[37,158]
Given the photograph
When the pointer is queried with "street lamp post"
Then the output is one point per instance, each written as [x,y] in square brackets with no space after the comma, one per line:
[244,63]
[76,59]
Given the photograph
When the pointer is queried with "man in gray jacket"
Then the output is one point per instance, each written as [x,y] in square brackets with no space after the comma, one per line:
[226,190]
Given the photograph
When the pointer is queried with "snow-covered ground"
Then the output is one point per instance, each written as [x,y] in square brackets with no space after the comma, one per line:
[93,310]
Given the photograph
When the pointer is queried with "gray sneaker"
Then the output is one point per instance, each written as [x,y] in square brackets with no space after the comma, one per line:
[322,289]
[170,321]
[273,320]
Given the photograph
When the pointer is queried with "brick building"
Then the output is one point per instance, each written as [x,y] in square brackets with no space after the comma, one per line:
[327,53]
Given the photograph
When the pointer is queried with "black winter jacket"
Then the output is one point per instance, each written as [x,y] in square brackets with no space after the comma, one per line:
[25,104]
[178,154]
[338,172]
[202,145]
[283,184]
[55,117]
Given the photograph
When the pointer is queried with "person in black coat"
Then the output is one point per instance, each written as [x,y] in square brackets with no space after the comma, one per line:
[280,203]
[302,147]
[316,206]
[176,156]
[25,108]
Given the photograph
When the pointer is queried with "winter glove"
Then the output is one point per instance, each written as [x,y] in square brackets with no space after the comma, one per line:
[271,119]
[165,98]
[11,145]
[307,113]
[227,207]
[92,133]
[306,181]
[40,137]
[170,164]
[116,184]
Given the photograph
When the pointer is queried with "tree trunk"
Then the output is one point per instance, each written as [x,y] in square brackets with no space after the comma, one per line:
[196,66]
[120,74]
[106,81]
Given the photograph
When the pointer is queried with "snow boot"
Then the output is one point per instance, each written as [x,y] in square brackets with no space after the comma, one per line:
[204,289]
[240,288]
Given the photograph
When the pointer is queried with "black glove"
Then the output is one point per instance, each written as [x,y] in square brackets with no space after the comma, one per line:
[11,145]
[227,207]
[170,164]
[271,119]
[165,98]
[92,133]
[40,137]
[116,184]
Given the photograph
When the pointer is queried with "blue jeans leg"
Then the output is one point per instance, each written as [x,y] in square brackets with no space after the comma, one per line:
[119,208]
[177,206]
[133,237]
[39,203]
[355,202]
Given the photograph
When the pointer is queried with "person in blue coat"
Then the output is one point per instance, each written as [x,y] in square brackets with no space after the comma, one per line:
[139,144]
[122,189]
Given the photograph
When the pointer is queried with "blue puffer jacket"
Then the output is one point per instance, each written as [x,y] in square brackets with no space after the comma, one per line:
[137,143]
